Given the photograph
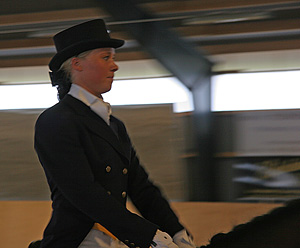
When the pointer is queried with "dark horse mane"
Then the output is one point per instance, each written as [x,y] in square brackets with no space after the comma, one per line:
[280,228]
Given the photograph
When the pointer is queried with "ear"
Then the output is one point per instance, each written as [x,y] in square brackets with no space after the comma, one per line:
[76,64]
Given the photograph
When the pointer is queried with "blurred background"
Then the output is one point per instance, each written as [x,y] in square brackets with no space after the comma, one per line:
[209,91]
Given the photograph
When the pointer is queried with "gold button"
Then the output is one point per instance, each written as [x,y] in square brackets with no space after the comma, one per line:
[108,192]
[127,241]
[108,168]
[132,244]
[125,171]
[124,194]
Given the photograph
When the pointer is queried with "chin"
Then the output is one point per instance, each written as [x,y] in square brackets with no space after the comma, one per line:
[105,91]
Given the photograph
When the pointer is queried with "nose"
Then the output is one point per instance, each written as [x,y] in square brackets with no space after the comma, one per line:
[114,67]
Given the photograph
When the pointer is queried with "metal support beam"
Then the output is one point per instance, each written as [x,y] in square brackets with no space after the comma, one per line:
[191,67]
[178,56]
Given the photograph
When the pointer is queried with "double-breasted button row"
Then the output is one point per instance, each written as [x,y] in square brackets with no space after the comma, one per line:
[123,193]
[130,244]
[108,169]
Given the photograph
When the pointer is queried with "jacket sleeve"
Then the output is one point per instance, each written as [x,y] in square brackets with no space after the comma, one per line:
[148,198]
[60,151]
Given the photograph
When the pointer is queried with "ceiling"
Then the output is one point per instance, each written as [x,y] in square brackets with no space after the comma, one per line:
[216,27]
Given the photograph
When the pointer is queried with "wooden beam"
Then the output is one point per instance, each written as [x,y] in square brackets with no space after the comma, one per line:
[252,47]
[52,16]
[240,27]
[198,5]
[21,62]
[24,43]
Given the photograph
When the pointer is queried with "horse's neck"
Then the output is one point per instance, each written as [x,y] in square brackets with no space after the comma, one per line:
[278,230]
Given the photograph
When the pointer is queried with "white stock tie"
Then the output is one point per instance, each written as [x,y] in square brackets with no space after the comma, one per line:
[103,109]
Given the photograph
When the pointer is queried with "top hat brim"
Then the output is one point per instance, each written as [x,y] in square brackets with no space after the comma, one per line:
[81,47]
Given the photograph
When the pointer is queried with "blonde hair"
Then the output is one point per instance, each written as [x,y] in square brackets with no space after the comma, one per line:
[64,75]
[66,66]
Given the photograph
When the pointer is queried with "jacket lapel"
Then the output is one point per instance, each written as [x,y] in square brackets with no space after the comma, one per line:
[95,123]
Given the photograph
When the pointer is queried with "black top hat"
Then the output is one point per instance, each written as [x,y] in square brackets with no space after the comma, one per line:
[80,38]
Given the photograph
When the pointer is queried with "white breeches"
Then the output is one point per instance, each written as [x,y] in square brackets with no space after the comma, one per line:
[98,239]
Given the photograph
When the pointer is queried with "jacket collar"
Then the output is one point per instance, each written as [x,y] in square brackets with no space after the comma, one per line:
[95,123]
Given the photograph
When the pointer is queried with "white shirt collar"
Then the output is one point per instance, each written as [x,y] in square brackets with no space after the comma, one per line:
[96,104]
